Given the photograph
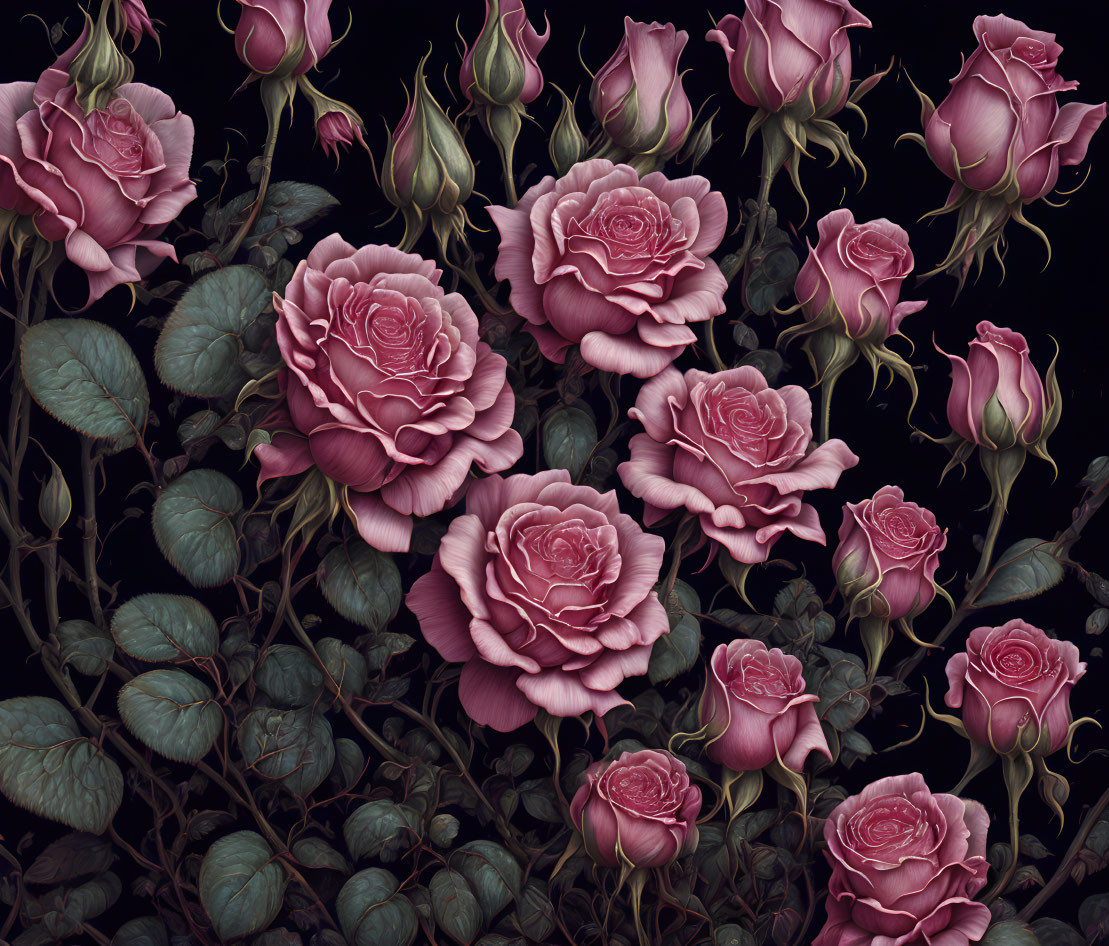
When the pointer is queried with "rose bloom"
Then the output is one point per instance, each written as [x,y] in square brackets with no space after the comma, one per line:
[637,95]
[389,392]
[756,709]
[905,867]
[283,37]
[781,48]
[615,264]
[641,806]
[997,366]
[858,268]
[1013,677]
[1000,128]
[733,451]
[106,184]
[545,591]
[508,34]
[887,557]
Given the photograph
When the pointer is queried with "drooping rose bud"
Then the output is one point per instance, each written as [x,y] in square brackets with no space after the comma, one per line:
[133,19]
[337,124]
[639,809]
[283,37]
[637,95]
[567,145]
[756,711]
[501,67]
[1013,683]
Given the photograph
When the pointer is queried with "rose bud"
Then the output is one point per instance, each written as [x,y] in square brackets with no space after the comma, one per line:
[427,169]
[131,18]
[282,37]
[906,865]
[337,124]
[1013,683]
[644,118]
[639,809]
[501,67]
[99,66]
[755,709]
[567,145]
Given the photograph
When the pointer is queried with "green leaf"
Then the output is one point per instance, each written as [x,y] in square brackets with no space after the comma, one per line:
[160,627]
[350,762]
[241,884]
[85,375]
[47,767]
[1009,933]
[373,913]
[142,931]
[841,691]
[455,906]
[1052,932]
[1023,570]
[63,909]
[198,350]
[1093,917]
[317,853]
[385,645]
[195,528]
[732,934]
[540,800]
[569,436]
[535,913]
[292,204]
[443,829]
[361,583]
[73,855]
[381,829]
[289,676]
[85,647]
[171,712]
[772,271]
[293,746]
[344,664]
[493,873]
[675,652]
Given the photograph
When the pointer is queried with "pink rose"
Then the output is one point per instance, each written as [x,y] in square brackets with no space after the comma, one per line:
[783,48]
[858,268]
[501,67]
[1000,128]
[137,21]
[756,709]
[545,591]
[107,183]
[639,808]
[905,867]
[997,398]
[733,451]
[337,130]
[637,95]
[615,264]
[888,554]
[389,392]
[1013,678]
[283,37]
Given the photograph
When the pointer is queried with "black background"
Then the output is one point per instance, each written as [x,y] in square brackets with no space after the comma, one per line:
[199,69]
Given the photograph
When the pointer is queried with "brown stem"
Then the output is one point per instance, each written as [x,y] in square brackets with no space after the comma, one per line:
[227,253]
[92,580]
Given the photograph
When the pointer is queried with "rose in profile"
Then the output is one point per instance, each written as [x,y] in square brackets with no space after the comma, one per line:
[755,709]
[502,66]
[545,591]
[1013,683]
[906,865]
[282,37]
[105,184]
[887,557]
[389,392]
[637,96]
[639,809]
[733,451]
[614,264]
[783,52]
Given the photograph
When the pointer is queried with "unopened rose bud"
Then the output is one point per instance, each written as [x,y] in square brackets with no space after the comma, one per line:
[131,18]
[567,145]
[698,144]
[55,501]
[100,67]
[501,67]
[337,124]
[283,37]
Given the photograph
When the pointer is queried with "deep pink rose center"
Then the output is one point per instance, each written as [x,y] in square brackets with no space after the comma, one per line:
[1030,50]
[740,419]
[875,252]
[640,789]
[898,530]
[632,223]
[563,550]
[1021,662]
[891,823]
[759,679]
[386,327]
[115,137]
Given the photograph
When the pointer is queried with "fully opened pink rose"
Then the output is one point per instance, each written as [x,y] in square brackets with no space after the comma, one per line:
[733,451]
[105,184]
[639,808]
[906,865]
[1014,683]
[1000,128]
[615,264]
[282,37]
[389,391]
[756,711]
[544,590]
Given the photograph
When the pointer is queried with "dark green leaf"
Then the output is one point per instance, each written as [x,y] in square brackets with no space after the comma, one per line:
[455,906]
[142,931]
[373,913]
[195,528]
[241,884]
[344,664]
[381,829]
[1052,932]
[292,204]
[289,676]
[294,746]
[160,627]
[842,702]
[361,583]
[1093,917]
[171,712]
[569,436]
[732,934]
[350,762]
[316,852]
[71,856]
[198,350]
[535,913]
[1023,570]
[540,800]
[493,873]
[86,376]
[47,767]
[1009,933]
[675,652]
[85,647]
[443,829]
[384,645]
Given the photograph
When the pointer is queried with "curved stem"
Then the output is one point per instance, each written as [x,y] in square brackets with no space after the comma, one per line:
[1014,856]
[997,514]
[826,408]
[710,345]
[229,250]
